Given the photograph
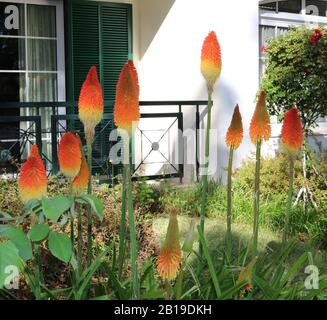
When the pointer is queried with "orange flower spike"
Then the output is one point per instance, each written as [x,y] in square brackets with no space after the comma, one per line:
[211,59]
[169,260]
[234,134]
[292,135]
[90,104]
[127,108]
[81,181]
[32,181]
[70,155]
[260,124]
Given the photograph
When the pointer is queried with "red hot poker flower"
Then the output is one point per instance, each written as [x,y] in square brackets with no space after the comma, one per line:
[70,155]
[234,135]
[292,135]
[211,59]
[170,256]
[260,124]
[32,181]
[90,104]
[81,181]
[127,110]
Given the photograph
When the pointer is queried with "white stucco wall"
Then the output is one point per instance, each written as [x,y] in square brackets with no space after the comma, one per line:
[170,41]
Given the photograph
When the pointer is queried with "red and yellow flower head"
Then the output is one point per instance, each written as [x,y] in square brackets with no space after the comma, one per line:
[32,182]
[127,110]
[292,135]
[211,59]
[260,124]
[234,134]
[80,182]
[70,155]
[169,260]
[90,104]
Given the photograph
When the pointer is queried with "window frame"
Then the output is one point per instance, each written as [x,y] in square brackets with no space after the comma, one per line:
[60,44]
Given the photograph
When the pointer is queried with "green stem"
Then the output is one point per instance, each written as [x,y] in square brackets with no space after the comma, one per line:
[72,235]
[38,271]
[204,188]
[135,276]
[229,203]
[122,233]
[79,239]
[89,211]
[289,203]
[179,281]
[72,213]
[256,201]
[168,289]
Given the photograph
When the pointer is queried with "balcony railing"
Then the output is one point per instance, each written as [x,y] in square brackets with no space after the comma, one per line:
[44,122]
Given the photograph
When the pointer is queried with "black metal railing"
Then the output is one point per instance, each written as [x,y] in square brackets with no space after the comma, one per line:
[63,116]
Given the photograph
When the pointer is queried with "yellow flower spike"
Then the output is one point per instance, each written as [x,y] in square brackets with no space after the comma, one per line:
[169,260]
[234,134]
[260,128]
[211,59]
[32,181]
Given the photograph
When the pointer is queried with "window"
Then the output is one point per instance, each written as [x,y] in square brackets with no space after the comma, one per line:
[267,33]
[31,57]
[308,7]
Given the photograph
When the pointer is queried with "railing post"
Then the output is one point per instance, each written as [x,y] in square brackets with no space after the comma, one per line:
[197,132]
[54,144]
[38,133]
[181,129]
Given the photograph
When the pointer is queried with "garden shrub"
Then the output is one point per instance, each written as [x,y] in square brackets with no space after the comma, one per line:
[296,74]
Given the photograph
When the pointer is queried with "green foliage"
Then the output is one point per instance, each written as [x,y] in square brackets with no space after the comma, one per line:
[19,239]
[55,207]
[296,74]
[60,246]
[8,257]
[38,232]
[310,224]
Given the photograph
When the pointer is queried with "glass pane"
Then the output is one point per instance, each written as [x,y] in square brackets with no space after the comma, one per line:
[316,8]
[42,55]
[41,21]
[12,87]
[292,6]
[268,6]
[12,19]
[12,54]
[42,87]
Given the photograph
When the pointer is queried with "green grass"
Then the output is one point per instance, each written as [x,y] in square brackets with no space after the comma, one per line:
[215,231]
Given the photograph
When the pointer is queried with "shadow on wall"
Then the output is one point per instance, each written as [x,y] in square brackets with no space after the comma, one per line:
[154,19]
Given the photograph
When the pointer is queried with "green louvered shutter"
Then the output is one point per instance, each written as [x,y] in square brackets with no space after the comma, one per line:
[101,35]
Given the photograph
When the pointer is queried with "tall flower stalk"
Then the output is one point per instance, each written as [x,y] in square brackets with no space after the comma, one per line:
[79,186]
[260,130]
[234,138]
[90,109]
[211,69]
[32,185]
[292,139]
[126,115]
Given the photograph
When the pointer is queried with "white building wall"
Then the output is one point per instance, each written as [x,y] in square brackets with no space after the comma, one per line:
[170,41]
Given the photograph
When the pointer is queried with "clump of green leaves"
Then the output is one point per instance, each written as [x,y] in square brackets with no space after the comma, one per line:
[296,74]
